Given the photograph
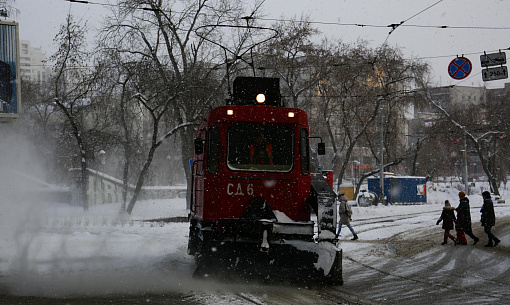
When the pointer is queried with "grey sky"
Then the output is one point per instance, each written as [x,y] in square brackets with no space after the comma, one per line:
[40,20]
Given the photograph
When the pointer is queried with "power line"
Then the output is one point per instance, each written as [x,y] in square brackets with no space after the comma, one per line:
[362,25]
[463,54]
[422,11]
[90,2]
[457,27]
[392,26]
[343,64]
[401,24]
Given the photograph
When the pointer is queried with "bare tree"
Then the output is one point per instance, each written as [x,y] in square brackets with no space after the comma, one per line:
[36,107]
[73,83]
[40,122]
[7,8]
[115,93]
[351,104]
[481,127]
[296,59]
[353,95]
[70,39]
[181,78]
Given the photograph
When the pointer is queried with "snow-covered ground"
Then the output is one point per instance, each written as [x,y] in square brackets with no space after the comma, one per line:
[58,250]
[54,249]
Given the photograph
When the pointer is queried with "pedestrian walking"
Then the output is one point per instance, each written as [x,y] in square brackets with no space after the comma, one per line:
[464,217]
[488,219]
[345,212]
[448,219]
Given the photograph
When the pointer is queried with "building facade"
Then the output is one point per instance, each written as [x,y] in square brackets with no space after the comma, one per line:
[33,63]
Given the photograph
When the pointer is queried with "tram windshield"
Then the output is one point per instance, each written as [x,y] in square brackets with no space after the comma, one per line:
[260,148]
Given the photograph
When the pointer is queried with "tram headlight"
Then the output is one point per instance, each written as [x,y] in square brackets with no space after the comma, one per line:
[291,114]
[261,98]
[230,112]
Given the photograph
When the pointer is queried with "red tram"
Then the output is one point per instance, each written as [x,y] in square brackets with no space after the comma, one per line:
[253,190]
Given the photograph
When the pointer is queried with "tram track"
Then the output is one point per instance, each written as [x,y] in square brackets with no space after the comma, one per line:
[247,298]
[440,285]
[319,296]
[433,272]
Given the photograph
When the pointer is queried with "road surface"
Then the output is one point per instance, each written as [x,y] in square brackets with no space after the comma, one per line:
[404,265]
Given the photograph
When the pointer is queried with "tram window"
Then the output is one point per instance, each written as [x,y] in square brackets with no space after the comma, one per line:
[260,148]
[213,152]
[303,151]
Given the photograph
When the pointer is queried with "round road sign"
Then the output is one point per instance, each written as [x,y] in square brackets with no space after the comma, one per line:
[459,68]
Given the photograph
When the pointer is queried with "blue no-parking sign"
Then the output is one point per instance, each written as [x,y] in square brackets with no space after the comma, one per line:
[459,68]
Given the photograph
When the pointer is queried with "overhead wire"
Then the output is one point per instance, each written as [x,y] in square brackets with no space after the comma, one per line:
[392,26]
[362,25]
[90,2]
[422,11]
[402,24]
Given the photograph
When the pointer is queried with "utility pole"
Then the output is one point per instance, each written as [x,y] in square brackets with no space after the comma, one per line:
[466,187]
[381,158]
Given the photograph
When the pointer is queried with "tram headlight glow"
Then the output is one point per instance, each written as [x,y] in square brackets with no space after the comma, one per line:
[261,98]
[230,112]
[291,114]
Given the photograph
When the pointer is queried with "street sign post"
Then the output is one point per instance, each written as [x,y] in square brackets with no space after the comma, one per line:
[459,68]
[494,73]
[494,59]
[490,60]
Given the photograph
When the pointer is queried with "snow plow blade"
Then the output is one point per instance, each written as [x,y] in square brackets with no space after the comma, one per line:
[327,262]
[294,261]
[258,244]
[335,273]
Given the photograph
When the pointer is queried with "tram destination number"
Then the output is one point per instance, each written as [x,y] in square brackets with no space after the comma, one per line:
[240,189]
[494,73]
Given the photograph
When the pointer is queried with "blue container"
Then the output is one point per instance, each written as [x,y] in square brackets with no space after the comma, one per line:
[401,189]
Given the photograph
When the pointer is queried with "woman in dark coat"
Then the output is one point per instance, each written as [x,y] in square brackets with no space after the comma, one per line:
[464,217]
[448,218]
[488,219]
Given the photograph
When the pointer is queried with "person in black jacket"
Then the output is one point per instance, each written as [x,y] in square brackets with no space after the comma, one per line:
[448,218]
[488,219]
[464,217]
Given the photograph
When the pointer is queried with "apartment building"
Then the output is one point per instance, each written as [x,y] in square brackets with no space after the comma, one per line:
[33,63]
